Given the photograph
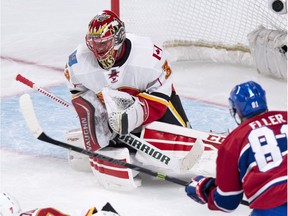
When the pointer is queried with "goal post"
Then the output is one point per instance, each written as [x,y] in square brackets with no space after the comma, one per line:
[115,7]
[203,29]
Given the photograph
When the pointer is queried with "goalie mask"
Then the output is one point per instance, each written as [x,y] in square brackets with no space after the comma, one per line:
[105,37]
[247,100]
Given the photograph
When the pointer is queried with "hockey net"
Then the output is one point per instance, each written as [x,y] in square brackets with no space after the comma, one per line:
[199,29]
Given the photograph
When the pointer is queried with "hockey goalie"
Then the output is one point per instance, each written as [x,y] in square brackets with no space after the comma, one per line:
[122,91]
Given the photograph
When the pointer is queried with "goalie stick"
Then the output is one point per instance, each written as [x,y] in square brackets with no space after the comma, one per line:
[32,85]
[153,153]
[29,115]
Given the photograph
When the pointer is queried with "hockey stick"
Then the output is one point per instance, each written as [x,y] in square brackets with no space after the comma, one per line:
[34,126]
[31,84]
[153,153]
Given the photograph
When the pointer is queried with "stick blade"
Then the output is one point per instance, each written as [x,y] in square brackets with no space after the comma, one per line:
[28,113]
[193,156]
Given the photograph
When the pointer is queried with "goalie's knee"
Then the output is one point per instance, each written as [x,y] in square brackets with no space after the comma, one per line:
[113,176]
[77,161]
[109,175]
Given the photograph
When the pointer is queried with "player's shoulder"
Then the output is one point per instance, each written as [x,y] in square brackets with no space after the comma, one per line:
[139,41]
[82,59]
[269,116]
[76,54]
[266,118]
[143,49]
[283,113]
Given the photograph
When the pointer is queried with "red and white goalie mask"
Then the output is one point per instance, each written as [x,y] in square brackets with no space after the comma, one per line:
[105,37]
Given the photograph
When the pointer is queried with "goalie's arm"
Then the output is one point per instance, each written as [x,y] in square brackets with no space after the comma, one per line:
[127,112]
[152,104]
[162,100]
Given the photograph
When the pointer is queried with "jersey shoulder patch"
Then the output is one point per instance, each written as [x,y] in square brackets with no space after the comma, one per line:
[157,52]
[72,59]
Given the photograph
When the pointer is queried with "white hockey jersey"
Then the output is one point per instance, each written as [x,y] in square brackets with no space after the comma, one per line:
[143,71]
[140,66]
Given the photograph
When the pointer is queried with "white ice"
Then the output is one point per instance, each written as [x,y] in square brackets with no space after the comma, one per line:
[44,33]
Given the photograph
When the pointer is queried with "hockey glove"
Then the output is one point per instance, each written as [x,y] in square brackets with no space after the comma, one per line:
[125,112]
[199,188]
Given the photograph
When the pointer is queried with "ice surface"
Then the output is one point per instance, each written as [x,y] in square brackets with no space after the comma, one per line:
[39,35]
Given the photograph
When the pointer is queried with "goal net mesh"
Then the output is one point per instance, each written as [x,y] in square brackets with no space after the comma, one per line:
[217,24]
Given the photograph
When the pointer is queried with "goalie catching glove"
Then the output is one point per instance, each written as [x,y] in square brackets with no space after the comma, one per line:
[125,112]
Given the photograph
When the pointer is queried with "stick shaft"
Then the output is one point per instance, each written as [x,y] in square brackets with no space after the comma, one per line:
[31,84]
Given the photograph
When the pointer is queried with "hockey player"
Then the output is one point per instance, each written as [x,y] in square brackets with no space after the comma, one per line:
[251,160]
[124,80]
[9,206]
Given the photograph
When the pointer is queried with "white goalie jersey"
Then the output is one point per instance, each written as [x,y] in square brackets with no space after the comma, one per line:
[138,70]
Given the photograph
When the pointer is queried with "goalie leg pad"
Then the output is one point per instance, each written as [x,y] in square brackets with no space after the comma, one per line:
[175,138]
[77,161]
[176,144]
[94,121]
[113,176]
